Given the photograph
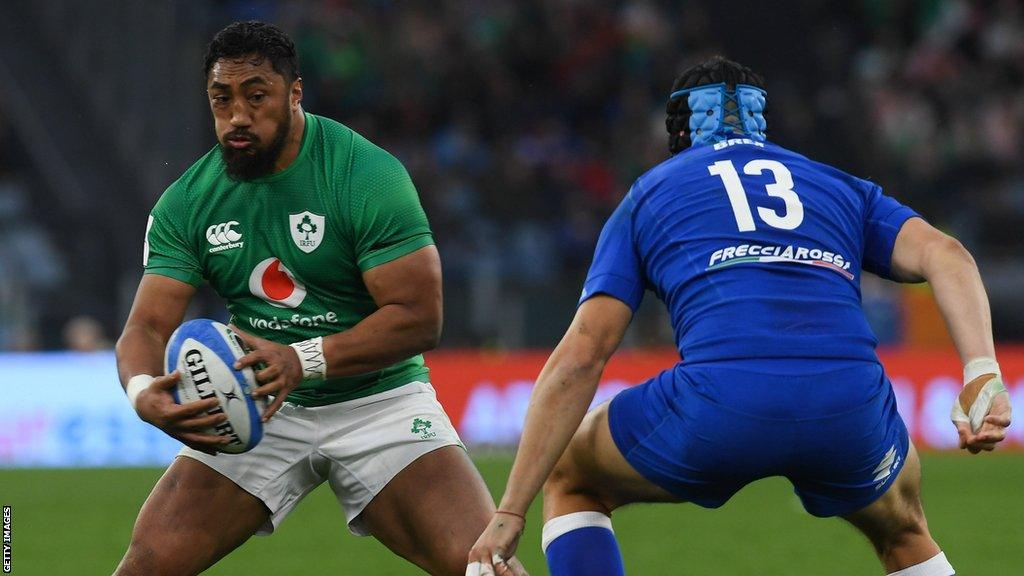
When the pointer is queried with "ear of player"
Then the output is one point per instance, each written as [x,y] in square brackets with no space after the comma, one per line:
[983,383]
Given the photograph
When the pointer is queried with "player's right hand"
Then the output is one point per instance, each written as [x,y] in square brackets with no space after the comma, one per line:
[281,370]
[981,413]
[493,553]
[183,422]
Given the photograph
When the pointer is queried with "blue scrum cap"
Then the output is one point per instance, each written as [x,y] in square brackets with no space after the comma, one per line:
[707,112]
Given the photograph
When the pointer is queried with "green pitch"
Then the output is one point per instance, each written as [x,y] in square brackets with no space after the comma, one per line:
[79,521]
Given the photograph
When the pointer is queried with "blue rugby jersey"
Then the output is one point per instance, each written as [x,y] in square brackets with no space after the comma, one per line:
[756,251]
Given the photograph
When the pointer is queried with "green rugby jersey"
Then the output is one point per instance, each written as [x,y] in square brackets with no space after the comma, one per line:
[287,251]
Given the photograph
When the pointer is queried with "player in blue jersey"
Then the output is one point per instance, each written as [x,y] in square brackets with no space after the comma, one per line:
[757,252]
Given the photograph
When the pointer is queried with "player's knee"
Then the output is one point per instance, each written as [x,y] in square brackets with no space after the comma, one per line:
[452,566]
[569,486]
[907,518]
[145,558]
[141,559]
[448,560]
[443,553]
[563,479]
[569,477]
[906,528]
[913,525]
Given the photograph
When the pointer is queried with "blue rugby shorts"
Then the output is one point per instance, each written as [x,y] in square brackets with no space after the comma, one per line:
[704,431]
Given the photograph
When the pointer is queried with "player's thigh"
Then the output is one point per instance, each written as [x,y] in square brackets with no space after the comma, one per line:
[593,470]
[193,517]
[432,512]
[899,510]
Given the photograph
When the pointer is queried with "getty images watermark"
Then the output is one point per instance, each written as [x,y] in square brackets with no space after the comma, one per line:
[7,539]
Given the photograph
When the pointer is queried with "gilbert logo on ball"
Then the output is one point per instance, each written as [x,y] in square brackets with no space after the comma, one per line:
[205,351]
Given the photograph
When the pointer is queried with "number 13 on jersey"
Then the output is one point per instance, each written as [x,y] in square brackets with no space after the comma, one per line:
[790,217]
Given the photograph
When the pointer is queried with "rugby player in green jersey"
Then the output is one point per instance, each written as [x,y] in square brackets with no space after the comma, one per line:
[316,240]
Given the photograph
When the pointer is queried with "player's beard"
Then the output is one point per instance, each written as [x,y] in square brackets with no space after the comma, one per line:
[255,161]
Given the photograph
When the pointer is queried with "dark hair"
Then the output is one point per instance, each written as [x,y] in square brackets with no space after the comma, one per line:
[254,37]
[712,71]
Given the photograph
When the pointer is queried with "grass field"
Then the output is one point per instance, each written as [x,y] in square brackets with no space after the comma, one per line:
[77,522]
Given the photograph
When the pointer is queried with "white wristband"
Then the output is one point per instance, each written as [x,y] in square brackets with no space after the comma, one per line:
[136,384]
[311,357]
[979,366]
[981,404]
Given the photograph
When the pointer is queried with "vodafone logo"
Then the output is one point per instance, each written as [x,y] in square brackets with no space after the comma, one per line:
[271,281]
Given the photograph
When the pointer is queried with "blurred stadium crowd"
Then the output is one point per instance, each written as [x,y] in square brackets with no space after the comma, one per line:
[522,123]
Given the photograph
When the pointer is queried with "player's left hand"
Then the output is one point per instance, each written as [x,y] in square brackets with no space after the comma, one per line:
[280,373]
[494,549]
[981,413]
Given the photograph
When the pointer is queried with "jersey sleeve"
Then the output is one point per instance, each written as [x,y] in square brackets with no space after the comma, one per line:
[883,218]
[167,251]
[616,270]
[387,219]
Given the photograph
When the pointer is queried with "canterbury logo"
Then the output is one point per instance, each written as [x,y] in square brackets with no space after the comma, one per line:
[223,233]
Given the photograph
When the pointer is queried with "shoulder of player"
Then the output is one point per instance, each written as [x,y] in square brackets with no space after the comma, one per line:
[665,172]
[859,185]
[818,168]
[350,154]
[331,133]
[372,163]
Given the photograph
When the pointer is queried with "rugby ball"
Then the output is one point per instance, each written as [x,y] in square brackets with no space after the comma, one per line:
[205,351]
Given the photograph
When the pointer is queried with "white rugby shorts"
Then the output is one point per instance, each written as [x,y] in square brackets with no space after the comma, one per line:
[357,446]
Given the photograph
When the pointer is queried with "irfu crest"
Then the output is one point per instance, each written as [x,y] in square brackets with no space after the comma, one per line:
[419,425]
[307,230]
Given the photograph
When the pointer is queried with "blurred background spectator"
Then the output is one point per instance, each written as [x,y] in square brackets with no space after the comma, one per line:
[522,123]
[85,334]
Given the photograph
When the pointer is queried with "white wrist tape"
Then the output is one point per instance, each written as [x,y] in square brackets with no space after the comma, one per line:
[980,366]
[136,384]
[311,357]
[478,569]
[979,408]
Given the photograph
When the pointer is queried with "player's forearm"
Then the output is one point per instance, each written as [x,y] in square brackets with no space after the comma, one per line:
[559,401]
[961,298]
[139,350]
[391,334]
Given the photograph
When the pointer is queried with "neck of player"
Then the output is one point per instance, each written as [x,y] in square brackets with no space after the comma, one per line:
[294,143]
